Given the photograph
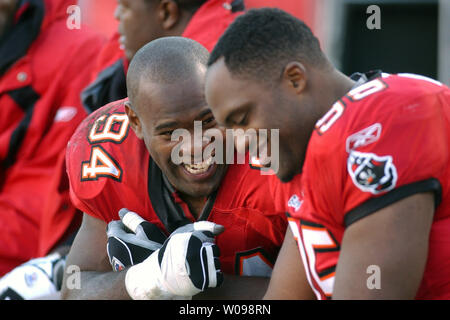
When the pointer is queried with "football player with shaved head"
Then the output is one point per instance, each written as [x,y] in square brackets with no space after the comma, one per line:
[121,157]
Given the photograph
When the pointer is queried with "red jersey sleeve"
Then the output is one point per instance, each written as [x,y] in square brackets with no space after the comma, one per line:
[393,142]
[82,194]
[93,165]
[210,21]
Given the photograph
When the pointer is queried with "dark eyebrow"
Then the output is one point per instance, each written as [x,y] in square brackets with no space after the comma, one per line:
[203,113]
[173,124]
[166,125]
[240,109]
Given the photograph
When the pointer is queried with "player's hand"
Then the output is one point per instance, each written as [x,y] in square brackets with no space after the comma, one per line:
[131,240]
[35,279]
[187,264]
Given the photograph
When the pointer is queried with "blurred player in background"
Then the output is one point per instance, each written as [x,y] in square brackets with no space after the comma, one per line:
[141,21]
[43,68]
[371,210]
[121,156]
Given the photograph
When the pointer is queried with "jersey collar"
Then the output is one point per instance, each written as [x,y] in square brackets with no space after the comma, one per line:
[361,78]
[162,196]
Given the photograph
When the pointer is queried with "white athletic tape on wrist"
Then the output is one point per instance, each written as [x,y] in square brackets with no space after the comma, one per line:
[204,226]
[132,220]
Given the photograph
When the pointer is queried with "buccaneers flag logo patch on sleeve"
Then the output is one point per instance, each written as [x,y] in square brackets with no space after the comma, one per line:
[372,173]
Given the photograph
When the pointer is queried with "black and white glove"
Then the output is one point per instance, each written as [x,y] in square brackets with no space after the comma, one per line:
[35,279]
[131,240]
[186,264]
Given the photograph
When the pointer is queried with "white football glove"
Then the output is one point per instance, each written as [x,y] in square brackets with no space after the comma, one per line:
[35,279]
[186,264]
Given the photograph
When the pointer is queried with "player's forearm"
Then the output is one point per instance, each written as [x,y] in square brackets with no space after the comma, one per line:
[96,286]
[237,288]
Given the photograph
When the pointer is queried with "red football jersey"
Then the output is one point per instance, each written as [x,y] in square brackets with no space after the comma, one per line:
[109,168]
[385,140]
[43,68]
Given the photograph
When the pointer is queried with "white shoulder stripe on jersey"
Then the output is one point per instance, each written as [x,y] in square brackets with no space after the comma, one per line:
[419,77]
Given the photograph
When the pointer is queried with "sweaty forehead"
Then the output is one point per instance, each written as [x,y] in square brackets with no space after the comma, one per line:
[157,102]
[225,91]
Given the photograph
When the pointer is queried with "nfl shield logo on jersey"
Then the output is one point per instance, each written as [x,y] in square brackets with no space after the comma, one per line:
[372,173]
[295,202]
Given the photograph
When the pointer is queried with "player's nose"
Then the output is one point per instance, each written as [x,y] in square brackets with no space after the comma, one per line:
[193,149]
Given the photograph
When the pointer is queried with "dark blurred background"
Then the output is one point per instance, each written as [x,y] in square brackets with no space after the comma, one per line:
[414,35]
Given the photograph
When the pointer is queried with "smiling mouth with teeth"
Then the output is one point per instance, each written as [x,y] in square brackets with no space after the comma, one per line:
[199,168]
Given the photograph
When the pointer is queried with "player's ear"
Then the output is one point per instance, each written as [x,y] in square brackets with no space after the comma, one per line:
[294,76]
[133,119]
[168,13]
